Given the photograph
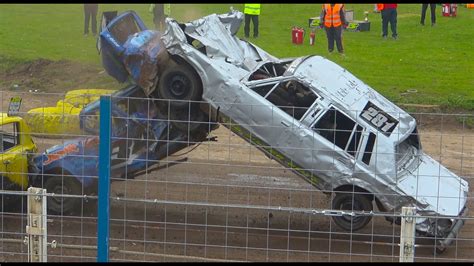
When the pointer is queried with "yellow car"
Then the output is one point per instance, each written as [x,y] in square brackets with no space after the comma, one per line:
[17,149]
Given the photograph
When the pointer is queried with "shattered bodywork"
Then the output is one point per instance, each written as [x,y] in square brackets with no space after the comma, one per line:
[318,119]
[133,52]
[141,137]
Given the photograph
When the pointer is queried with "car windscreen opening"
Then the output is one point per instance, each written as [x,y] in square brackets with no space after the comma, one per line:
[124,28]
[407,150]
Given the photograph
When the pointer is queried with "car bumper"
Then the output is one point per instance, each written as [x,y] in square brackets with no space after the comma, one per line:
[454,230]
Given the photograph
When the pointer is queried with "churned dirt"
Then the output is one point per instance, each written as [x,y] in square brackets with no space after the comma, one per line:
[218,181]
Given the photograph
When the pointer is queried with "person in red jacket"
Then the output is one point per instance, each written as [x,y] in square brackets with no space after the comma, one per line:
[389,15]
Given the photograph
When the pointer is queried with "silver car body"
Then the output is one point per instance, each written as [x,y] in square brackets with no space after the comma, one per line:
[397,172]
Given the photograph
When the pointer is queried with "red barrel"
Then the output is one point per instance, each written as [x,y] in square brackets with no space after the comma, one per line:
[446,10]
[454,10]
[297,35]
[450,10]
[294,34]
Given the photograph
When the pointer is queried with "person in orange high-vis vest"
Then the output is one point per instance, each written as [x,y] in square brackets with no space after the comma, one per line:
[333,19]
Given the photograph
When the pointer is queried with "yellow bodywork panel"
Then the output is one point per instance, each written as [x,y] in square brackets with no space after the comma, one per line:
[62,119]
[15,144]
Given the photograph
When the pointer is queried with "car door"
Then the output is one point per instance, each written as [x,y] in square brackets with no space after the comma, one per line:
[14,163]
[292,141]
[262,118]
[337,140]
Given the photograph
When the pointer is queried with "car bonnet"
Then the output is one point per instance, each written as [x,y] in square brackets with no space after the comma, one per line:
[434,186]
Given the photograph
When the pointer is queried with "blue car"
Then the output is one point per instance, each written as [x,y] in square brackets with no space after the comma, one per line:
[142,134]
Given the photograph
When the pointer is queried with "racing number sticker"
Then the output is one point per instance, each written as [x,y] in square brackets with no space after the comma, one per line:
[14,107]
[378,118]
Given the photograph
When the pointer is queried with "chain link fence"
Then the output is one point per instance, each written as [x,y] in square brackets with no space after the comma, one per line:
[214,198]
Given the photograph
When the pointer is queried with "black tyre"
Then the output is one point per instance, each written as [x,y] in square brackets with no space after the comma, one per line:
[356,202]
[179,82]
[439,249]
[65,186]
[190,122]
[11,202]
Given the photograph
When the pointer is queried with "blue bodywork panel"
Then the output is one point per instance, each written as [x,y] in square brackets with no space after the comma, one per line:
[131,52]
[141,136]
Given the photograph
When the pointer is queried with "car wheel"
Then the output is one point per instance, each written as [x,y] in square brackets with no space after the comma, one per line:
[179,82]
[190,122]
[350,201]
[65,186]
[11,202]
[440,250]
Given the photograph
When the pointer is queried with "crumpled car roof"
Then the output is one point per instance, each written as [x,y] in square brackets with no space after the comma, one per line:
[213,32]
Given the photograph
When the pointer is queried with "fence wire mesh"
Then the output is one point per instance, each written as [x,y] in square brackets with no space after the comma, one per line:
[192,190]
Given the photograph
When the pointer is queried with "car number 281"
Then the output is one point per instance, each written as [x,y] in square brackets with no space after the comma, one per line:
[378,118]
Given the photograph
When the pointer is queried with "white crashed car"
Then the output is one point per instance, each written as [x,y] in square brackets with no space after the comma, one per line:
[308,113]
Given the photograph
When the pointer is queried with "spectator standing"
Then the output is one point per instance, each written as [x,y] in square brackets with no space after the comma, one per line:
[389,15]
[424,7]
[252,12]
[160,13]
[376,9]
[90,14]
[333,19]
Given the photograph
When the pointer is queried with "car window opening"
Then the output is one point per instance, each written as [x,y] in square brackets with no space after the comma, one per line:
[199,46]
[355,140]
[338,129]
[268,70]
[9,136]
[290,96]
[369,147]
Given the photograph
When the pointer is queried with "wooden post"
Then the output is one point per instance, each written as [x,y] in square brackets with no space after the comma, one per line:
[407,235]
[36,227]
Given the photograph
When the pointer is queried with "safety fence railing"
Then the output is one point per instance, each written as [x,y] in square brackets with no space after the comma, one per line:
[223,199]
[36,237]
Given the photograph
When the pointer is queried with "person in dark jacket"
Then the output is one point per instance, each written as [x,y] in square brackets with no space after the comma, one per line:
[90,14]
[160,13]
[424,7]
[333,18]
[389,15]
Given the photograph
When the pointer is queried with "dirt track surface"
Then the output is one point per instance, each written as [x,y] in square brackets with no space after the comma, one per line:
[231,172]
